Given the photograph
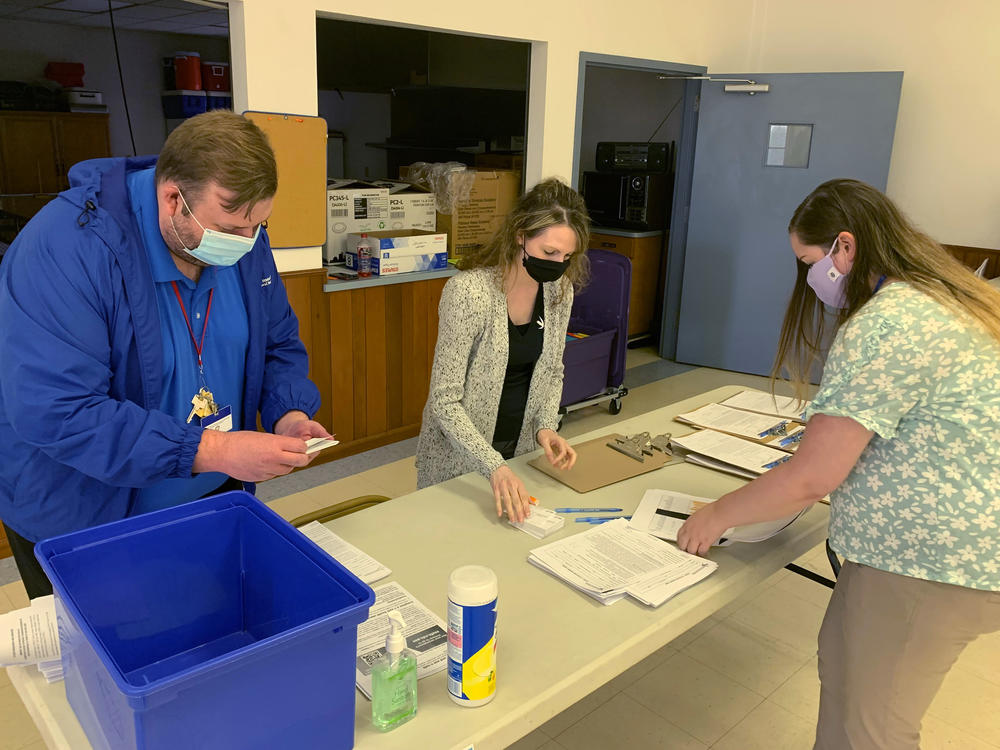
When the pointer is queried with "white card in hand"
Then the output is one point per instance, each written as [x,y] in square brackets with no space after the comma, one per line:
[314,445]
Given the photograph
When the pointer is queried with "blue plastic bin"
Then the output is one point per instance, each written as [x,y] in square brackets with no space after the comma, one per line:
[181,103]
[218,100]
[214,624]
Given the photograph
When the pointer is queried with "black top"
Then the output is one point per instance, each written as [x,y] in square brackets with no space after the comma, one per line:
[524,349]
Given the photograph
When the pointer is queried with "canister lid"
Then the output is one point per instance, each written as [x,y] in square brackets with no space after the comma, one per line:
[472,585]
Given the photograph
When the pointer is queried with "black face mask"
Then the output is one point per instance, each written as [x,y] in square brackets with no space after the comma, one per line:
[543,270]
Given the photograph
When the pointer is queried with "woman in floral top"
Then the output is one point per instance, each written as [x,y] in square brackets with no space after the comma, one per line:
[904,436]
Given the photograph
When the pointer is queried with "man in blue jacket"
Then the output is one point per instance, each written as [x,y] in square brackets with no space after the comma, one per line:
[143,329]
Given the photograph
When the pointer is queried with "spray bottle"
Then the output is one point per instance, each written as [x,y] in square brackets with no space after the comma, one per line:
[394,680]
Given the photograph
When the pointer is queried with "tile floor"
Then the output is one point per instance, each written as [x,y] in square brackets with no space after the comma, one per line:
[741,680]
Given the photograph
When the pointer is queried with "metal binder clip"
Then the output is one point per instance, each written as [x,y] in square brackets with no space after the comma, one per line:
[629,446]
[662,444]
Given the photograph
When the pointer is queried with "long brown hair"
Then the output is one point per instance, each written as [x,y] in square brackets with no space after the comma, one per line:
[549,203]
[886,243]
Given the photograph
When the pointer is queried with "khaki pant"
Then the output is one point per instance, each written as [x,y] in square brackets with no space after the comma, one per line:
[886,644]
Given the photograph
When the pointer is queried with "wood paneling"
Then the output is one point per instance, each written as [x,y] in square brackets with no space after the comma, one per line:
[370,353]
[4,544]
[974,256]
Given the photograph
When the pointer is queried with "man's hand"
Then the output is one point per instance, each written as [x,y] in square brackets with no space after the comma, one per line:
[249,456]
[557,450]
[297,424]
[510,494]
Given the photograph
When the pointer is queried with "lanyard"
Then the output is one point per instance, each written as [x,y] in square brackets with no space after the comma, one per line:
[198,347]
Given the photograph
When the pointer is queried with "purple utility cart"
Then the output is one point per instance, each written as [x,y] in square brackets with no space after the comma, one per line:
[595,365]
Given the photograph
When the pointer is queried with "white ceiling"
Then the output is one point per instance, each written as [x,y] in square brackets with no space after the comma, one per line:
[177,16]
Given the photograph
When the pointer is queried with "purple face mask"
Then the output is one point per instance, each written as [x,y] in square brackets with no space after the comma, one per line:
[828,283]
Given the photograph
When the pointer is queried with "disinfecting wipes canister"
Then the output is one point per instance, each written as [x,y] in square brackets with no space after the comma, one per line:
[472,635]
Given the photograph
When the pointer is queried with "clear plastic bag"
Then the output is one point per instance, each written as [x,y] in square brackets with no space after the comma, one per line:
[451,182]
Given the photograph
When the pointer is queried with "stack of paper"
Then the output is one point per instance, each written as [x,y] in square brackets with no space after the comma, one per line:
[425,633]
[30,636]
[765,403]
[540,523]
[730,454]
[662,513]
[364,567]
[613,560]
[777,432]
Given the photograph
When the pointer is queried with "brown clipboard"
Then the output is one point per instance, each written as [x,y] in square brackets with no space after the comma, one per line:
[298,218]
[597,465]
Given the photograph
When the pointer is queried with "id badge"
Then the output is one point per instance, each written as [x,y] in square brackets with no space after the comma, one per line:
[222,420]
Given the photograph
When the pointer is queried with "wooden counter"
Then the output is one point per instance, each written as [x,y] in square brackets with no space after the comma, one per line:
[371,347]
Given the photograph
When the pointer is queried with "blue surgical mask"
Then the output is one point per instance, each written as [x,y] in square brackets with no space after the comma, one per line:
[829,284]
[217,248]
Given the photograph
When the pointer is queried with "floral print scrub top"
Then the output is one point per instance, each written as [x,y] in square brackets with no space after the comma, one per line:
[923,500]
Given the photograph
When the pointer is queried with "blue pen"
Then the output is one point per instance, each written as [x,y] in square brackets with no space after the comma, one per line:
[588,510]
[793,438]
[775,463]
[599,519]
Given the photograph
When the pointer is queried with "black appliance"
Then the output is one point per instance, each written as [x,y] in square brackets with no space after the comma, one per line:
[632,156]
[638,200]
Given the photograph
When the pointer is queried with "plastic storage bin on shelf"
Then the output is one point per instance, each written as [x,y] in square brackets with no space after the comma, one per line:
[213,624]
[183,103]
[219,100]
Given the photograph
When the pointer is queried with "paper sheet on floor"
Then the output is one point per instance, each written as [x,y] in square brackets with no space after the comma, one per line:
[426,635]
[367,568]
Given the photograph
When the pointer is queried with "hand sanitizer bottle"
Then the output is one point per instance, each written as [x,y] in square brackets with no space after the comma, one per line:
[394,680]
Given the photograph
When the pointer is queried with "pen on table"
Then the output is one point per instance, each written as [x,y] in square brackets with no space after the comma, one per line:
[598,519]
[588,510]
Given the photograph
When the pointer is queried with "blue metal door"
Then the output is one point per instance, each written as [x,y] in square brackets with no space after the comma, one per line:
[738,268]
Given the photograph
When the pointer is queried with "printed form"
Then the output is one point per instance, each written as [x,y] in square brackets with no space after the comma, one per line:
[426,635]
[612,560]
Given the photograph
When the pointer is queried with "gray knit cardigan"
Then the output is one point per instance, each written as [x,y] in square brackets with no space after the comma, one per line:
[470,362]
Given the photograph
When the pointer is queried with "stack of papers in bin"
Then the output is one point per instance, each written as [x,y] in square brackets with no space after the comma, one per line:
[30,636]
[612,560]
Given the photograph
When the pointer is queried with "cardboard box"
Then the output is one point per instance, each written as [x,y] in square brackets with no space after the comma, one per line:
[401,251]
[500,161]
[476,220]
[410,206]
[352,206]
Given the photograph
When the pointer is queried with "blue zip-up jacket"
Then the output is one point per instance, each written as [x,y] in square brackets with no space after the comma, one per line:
[81,360]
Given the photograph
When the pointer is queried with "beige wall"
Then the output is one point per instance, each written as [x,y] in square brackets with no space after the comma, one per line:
[944,168]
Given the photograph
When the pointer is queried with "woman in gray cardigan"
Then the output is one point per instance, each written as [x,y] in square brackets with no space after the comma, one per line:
[497,376]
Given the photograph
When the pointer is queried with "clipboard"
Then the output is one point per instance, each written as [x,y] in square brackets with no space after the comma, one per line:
[781,433]
[597,465]
[298,218]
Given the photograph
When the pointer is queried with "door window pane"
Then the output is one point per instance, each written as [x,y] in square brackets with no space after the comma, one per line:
[788,145]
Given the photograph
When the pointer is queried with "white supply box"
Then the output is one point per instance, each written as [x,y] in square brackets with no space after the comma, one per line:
[401,251]
[410,206]
[352,206]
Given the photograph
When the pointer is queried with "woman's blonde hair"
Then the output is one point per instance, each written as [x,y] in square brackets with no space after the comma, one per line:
[887,243]
[549,203]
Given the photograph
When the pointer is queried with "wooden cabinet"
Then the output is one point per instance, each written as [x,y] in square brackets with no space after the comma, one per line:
[37,150]
[370,354]
[646,253]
